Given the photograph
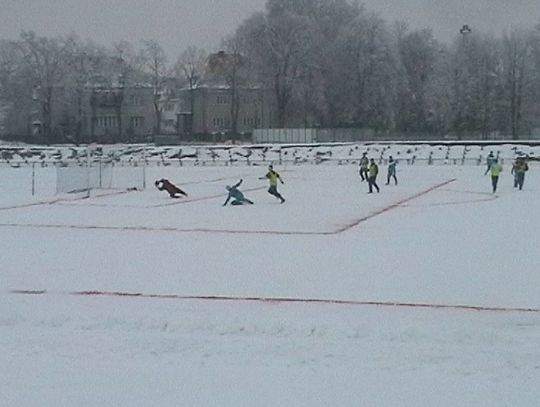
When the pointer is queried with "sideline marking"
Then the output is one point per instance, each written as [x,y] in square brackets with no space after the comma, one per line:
[278,300]
[232,231]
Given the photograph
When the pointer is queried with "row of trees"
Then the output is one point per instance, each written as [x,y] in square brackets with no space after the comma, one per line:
[328,63]
[334,64]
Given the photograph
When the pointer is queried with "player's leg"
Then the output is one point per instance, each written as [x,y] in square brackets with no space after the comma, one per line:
[273,191]
[179,191]
[521,179]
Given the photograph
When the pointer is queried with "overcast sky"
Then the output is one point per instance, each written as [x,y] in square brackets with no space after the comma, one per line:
[176,24]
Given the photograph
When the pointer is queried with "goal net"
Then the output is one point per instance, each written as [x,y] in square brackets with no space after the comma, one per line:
[98,175]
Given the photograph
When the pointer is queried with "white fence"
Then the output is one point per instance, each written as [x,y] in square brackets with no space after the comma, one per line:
[304,136]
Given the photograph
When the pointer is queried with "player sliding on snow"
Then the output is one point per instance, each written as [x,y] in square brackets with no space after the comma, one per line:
[165,185]
[238,197]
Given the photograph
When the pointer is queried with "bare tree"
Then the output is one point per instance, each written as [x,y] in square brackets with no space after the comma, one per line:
[84,62]
[15,91]
[125,64]
[45,60]
[190,66]
[154,63]
[236,71]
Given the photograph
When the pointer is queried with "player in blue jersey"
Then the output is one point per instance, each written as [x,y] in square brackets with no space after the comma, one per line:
[236,195]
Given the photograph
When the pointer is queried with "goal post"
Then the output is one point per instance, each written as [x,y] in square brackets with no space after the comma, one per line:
[98,174]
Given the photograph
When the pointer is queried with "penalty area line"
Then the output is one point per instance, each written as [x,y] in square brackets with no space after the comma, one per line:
[276,300]
[394,205]
[345,228]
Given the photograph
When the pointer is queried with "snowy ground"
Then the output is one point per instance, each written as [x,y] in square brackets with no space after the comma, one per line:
[223,317]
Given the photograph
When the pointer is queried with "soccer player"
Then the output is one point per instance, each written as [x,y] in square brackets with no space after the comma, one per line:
[490,160]
[496,170]
[391,170]
[364,163]
[372,176]
[519,169]
[237,196]
[165,185]
[273,177]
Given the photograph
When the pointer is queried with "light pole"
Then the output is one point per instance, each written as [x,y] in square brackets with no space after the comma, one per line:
[464,31]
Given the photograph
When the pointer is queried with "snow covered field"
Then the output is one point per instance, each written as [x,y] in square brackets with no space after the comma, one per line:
[423,295]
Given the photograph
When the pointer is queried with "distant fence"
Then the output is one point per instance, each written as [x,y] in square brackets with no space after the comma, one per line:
[367,135]
[312,135]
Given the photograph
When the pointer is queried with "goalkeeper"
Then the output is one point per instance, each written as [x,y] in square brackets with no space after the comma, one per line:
[165,185]
[237,196]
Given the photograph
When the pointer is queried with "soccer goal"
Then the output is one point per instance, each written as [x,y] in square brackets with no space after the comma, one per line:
[96,175]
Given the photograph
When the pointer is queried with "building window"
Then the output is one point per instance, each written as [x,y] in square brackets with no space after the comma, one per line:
[218,121]
[222,99]
[135,100]
[248,121]
[107,121]
[137,121]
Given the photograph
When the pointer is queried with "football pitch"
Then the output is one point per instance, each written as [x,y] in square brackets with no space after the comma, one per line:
[423,294]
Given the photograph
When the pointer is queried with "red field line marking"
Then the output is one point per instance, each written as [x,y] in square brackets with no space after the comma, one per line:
[488,197]
[165,229]
[393,206]
[454,202]
[278,300]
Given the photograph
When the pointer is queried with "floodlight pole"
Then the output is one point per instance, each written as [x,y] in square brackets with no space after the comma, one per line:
[33,178]
[464,31]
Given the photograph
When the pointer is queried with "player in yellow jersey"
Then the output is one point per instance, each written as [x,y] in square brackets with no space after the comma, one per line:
[495,170]
[274,177]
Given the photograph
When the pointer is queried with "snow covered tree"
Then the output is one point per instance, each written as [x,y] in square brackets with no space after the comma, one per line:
[274,44]
[417,56]
[366,52]
[517,65]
